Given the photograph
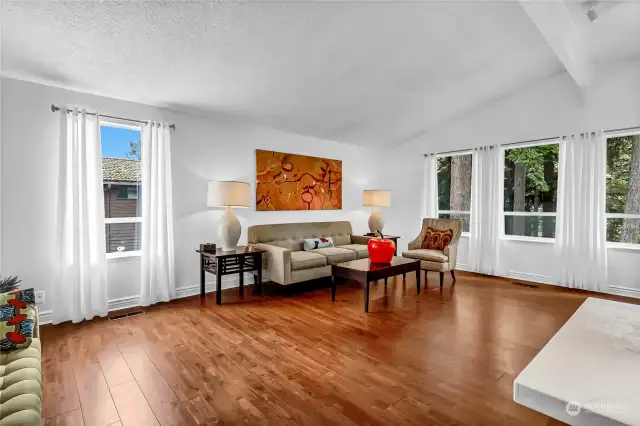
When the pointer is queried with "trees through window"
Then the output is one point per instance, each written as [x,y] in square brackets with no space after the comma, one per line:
[530,190]
[623,189]
[454,188]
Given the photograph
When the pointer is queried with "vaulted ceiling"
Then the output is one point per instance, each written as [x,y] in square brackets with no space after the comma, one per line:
[368,73]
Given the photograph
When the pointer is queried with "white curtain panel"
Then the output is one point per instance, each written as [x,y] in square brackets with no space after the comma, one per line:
[158,266]
[581,228]
[486,210]
[80,283]
[430,187]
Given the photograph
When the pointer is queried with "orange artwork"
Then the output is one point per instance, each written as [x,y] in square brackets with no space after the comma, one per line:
[297,182]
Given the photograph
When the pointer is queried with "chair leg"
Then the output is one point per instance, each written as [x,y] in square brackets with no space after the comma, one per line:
[441,279]
[453,275]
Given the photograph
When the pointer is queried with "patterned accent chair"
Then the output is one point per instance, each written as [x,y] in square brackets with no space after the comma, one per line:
[436,260]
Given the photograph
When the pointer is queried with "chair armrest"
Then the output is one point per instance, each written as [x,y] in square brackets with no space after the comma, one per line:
[278,262]
[452,252]
[416,243]
[360,239]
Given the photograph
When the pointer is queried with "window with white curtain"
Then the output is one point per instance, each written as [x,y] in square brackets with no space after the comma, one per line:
[454,187]
[121,174]
[623,189]
[530,190]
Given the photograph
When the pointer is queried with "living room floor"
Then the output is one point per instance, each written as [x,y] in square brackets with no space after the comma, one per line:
[436,358]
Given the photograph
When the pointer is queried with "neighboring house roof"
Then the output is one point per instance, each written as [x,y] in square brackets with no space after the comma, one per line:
[120,170]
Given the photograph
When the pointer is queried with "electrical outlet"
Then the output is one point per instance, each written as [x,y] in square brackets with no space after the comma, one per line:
[39,296]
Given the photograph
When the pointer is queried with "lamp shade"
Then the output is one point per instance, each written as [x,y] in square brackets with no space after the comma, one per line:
[228,193]
[376,198]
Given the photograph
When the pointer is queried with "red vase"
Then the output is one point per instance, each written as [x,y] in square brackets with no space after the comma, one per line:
[381,250]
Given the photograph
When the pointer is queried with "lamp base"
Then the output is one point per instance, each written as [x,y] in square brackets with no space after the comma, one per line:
[230,230]
[376,221]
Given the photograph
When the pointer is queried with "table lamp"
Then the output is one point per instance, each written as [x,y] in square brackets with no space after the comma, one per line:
[229,194]
[376,198]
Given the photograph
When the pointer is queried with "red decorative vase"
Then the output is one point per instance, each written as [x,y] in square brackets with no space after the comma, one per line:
[381,250]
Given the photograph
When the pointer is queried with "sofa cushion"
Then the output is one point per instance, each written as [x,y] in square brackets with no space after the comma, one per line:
[336,255]
[21,385]
[431,255]
[341,239]
[293,244]
[362,251]
[306,260]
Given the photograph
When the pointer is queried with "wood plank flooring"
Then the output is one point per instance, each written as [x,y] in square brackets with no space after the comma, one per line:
[437,358]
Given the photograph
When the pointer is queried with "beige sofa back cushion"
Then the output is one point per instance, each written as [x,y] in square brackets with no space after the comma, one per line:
[290,235]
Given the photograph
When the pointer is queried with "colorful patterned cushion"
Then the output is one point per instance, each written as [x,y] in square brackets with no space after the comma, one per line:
[17,319]
[316,243]
[437,239]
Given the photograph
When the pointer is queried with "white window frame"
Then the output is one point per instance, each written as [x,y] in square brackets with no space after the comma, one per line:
[112,220]
[453,154]
[614,244]
[503,236]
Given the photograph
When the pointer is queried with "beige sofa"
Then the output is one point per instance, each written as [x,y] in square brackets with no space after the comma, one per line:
[435,260]
[287,262]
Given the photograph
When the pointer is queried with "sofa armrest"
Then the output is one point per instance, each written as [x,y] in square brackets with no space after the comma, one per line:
[452,252]
[278,262]
[360,239]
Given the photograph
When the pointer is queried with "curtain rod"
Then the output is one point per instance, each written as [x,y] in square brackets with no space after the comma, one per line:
[532,141]
[55,108]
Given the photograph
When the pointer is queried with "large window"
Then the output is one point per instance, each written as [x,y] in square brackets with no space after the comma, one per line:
[121,173]
[454,188]
[530,191]
[623,189]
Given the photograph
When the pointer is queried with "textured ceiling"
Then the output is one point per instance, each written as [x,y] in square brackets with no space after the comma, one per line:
[369,73]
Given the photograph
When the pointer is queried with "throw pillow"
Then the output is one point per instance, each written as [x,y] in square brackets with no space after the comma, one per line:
[437,239]
[17,319]
[315,243]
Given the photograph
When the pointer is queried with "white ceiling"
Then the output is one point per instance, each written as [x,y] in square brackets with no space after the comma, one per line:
[368,73]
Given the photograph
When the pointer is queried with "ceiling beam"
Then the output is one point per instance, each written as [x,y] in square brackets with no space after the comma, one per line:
[564,36]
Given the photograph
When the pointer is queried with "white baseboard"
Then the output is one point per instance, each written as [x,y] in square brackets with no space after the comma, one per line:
[45,317]
[228,281]
[624,291]
[526,276]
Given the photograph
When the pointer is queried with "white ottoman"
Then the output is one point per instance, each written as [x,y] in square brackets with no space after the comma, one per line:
[589,372]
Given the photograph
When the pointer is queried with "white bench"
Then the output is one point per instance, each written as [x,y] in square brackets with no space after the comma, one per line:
[589,372]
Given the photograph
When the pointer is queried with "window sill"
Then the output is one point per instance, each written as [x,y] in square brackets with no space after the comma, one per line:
[465,234]
[623,247]
[123,255]
[540,240]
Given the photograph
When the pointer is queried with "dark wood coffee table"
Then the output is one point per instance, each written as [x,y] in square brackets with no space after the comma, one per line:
[363,271]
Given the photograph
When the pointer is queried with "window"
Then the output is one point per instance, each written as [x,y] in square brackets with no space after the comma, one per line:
[454,188]
[125,192]
[623,189]
[121,174]
[530,190]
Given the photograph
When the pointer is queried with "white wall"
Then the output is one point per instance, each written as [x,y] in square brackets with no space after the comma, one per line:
[551,108]
[203,149]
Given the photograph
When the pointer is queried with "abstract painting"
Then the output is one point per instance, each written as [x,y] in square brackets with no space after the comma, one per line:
[297,182]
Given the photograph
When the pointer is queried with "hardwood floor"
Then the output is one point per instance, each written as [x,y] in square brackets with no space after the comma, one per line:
[437,358]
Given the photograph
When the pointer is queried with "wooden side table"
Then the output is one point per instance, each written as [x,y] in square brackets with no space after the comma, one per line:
[389,237]
[238,261]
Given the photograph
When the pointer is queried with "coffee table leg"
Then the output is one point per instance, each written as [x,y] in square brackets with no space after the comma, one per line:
[418,277]
[385,281]
[366,297]
[333,288]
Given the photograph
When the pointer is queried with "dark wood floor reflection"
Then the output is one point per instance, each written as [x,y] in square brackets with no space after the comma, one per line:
[436,358]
